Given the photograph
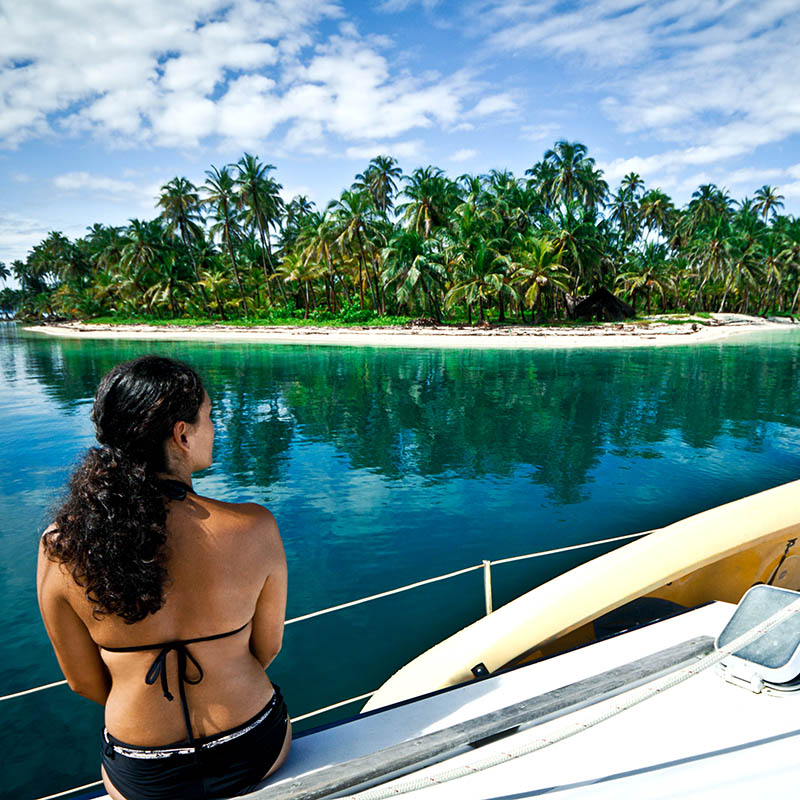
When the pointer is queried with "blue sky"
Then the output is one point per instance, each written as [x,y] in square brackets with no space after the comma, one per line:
[103,101]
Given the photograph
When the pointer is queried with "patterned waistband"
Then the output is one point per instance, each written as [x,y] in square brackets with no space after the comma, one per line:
[215,741]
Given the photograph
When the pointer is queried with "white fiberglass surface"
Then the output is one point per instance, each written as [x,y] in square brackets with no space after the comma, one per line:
[380,730]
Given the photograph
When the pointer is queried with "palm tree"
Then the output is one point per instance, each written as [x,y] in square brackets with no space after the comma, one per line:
[625,214]
[768,200]
[215,280]
[573,175]
[432,197]
[743,269]
[707,204]
[542,178]
[481,275]
[9,301]
[380,180]
[317,242]
[710,254]
[294,269]
[180,207]
[576,232]
[5,272]
[538,269]
[140,253]
[656,211]
[413,265]
[260,201]
[221,196]
[354,212]
[650,273]
[169,280]
[632,183]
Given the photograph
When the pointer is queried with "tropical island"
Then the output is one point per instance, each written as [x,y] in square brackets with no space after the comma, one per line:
[422,249]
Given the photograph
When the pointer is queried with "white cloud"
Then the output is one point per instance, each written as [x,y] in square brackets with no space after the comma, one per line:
[85,181]
[542,132]
[408,149]
[790,190]
[494,104]
[711,80]
[181,74]
[753,177]
[463,155]
[142,196]
[19,233]
[290,192]
[393,6]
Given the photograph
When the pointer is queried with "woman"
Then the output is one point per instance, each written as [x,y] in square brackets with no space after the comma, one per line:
[164,606]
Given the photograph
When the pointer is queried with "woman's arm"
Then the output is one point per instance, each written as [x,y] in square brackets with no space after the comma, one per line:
[267,635]
[77,654]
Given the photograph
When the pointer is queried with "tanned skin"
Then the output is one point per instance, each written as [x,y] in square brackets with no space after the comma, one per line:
[226,568]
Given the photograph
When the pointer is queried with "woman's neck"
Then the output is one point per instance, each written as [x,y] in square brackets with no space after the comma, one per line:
[180,476]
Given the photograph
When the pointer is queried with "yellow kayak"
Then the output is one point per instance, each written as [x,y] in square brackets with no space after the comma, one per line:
[715,555]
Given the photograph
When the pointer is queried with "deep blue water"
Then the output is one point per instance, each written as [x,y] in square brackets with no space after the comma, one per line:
[386,466]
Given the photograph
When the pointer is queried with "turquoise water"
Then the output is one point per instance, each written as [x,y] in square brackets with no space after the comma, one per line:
[386,466]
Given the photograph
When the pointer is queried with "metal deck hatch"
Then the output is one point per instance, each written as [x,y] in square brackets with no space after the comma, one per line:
[773,658]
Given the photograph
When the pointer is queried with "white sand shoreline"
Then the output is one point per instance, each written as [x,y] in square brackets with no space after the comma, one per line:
[722,326]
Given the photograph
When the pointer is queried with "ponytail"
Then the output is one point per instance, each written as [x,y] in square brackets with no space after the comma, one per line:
[111,530]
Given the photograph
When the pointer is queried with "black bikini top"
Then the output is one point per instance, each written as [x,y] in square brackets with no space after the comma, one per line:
[175,490]
[158,669]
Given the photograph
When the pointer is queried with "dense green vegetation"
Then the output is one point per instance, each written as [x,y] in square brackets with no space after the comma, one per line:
[396,246]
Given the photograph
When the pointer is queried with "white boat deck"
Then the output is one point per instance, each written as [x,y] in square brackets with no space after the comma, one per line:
[704,738]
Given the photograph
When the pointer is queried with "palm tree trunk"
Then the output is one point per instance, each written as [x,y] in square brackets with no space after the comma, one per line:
[219,304]
[194,269]
[235,267]
[724,297]
[794,299]
[265,249]
[699,294]
[170,290]
[272,263]
[366,269]
[361,282]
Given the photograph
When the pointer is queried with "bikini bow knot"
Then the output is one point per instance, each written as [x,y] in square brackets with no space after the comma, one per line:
[158,669]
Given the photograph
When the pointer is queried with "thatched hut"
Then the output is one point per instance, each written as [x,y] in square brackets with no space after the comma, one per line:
[603,306]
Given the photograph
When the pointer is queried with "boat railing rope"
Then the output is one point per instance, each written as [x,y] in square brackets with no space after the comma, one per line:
[533,741]
[398,590]
[485,565]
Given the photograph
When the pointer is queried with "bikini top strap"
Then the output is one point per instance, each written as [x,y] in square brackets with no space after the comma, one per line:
[158,669]
[139,648]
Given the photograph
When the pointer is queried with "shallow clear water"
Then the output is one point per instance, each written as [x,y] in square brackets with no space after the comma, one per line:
[386,466]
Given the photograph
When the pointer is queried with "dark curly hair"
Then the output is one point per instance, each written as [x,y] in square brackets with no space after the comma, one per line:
[111,530]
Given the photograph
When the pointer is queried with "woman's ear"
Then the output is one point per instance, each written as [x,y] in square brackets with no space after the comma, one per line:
[179,435]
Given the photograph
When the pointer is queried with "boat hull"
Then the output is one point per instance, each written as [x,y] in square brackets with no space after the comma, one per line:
[715,555]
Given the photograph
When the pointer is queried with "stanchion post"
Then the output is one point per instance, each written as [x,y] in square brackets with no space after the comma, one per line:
[487,585]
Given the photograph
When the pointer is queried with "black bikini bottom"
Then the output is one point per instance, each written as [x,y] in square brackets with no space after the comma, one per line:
[223,765]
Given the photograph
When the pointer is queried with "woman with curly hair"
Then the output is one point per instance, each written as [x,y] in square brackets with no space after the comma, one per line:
[149,591]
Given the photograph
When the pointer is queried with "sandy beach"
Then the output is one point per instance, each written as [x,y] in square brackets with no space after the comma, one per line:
[611,334]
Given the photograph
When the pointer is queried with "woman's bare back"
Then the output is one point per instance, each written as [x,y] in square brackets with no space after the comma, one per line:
[226,570]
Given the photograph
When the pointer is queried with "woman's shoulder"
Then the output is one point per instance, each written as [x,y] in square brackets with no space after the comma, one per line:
[49,572]
[243,518]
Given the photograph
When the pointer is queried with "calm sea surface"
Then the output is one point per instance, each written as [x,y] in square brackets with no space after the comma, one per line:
[383,467]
